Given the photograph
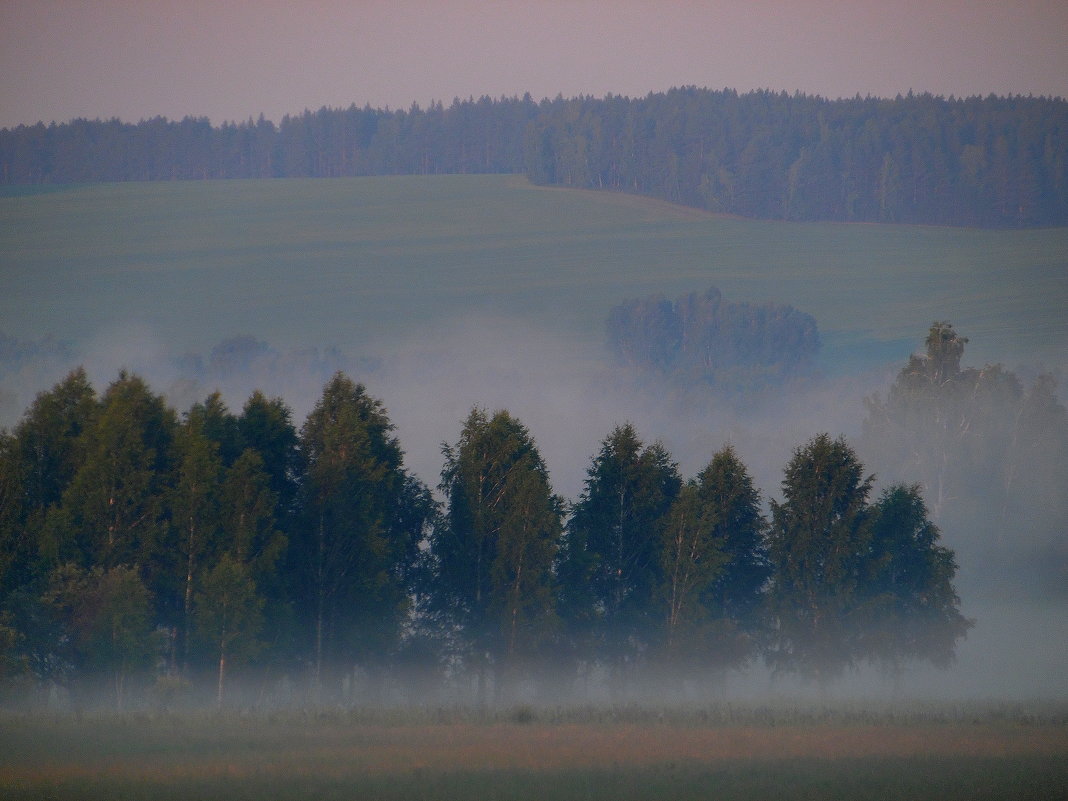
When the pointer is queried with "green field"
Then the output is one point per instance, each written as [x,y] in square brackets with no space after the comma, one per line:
[369,262]
[729,753]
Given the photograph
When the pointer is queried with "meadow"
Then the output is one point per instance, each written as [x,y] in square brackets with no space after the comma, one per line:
[371,264]
[732,752]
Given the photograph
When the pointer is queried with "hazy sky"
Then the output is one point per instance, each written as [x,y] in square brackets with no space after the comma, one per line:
[231,59]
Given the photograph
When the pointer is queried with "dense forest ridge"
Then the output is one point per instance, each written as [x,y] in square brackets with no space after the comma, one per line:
[978,161]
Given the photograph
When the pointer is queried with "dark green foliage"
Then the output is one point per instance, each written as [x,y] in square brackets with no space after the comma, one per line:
[111,509]
[266,426]
[614,545]
[852,582]
[993,161]
[229,614]
[213,420]
[117,488]
[494,552]
[702,339]
[38,461]
[726,490]
[355,540]
[48,437]
[193,505]
[16,551]
[247,512]
[645,333]
[817,547]
[130,541]
[975,161]
[912,608]
[469,136]
[105,620]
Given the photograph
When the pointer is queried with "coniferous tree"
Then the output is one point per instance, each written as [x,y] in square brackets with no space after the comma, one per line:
[988,161]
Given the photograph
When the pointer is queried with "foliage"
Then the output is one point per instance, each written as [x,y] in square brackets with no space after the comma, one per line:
[494,552]
[702,339]
[855,582]
[912,610]
[988,454]
[818,541]
[105,618]
[614,544]
[111,509]
[39,460]
[229,614]
[715,566]
[356,540]
[193,506]
[993,161]
[132,541]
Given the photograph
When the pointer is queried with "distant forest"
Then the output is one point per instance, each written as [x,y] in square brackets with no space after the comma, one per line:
[703,340]
[990,162]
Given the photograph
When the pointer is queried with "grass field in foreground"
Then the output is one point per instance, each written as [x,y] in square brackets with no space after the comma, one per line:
[970,755]
[365,263]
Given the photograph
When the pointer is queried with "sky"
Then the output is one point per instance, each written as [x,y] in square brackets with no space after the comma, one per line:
[235,59]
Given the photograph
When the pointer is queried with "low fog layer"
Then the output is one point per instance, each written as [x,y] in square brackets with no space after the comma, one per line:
[569,396]
[565,391]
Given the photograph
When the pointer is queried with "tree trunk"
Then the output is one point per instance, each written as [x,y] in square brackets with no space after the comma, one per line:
[188,604]
[120,689]
[222,677]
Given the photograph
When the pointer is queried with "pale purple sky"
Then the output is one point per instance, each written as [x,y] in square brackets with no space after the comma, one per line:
[231,59]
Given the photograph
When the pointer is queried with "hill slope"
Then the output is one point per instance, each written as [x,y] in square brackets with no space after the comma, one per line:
[363,262]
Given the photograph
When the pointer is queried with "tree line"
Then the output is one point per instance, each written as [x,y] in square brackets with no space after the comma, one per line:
[976,161]
[703,341]
[139,546]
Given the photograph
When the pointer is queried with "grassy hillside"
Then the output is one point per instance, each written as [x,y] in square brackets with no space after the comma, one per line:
[362,263]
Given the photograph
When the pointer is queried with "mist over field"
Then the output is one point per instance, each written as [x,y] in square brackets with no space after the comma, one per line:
[567,394]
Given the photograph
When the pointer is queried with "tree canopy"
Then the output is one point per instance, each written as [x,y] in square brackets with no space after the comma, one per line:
[701,340]
[988,453]
[141,546]
[494,553]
